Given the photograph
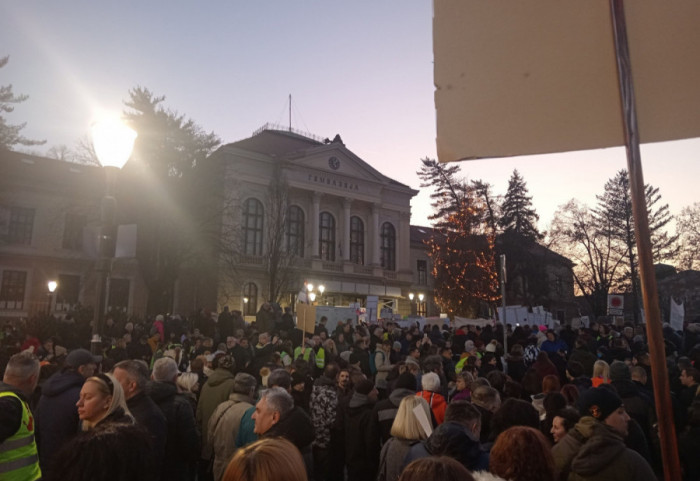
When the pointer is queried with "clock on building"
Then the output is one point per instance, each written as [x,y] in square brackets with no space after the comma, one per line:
[334,163]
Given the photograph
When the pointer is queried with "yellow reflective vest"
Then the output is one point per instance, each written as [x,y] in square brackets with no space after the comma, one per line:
[19,459]
[320,358]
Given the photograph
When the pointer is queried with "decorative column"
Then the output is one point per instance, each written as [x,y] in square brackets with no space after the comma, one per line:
[315,234]
[347,202]
[403,243]
[375,234]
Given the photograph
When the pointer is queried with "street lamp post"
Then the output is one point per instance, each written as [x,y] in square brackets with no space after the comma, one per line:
[113,142]
[410,301]
[52,285]
[321,289]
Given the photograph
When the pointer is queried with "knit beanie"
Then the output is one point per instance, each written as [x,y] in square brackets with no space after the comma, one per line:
[364,387]
[599,402]
[619,371]
[406,381]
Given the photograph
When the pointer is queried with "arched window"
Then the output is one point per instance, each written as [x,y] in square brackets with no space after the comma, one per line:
[357,240]
[252,227]
[388,250]
[326,227]
[295,231]
[250,299]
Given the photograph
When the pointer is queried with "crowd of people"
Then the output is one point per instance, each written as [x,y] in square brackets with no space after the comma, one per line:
[214,398]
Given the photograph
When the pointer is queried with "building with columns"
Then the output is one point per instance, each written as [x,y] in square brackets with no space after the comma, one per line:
[298,209]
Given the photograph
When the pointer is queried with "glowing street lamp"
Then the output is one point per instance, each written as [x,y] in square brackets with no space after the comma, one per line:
[421,297]
[309,287]
[411,296]
[312,296]
[113,142]
[52,285]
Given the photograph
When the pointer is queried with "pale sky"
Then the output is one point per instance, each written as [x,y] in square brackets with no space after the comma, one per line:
[361,69]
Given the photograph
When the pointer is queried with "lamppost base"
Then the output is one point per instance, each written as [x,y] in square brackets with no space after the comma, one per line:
[96,345]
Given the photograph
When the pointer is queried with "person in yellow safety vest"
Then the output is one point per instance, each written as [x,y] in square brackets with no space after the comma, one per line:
[469,350]
[19,458]
[307,352]
[319,353]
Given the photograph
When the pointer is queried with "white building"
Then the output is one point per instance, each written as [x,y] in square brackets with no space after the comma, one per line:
[348,224]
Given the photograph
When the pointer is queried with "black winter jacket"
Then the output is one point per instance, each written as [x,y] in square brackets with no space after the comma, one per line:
[57,415]
[182,442]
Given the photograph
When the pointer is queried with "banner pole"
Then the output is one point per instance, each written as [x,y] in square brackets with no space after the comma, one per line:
[655,338]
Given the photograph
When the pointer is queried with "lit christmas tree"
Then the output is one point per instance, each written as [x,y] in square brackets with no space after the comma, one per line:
[462,247]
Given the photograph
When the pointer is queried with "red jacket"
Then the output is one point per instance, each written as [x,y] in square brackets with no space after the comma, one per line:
[437,404]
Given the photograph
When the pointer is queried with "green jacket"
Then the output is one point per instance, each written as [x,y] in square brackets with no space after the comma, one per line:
[593,451]
[216,390]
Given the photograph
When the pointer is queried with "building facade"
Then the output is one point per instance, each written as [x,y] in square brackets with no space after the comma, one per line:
[49,211]
[298,210]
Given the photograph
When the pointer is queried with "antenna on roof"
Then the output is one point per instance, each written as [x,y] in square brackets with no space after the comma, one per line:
[290,112]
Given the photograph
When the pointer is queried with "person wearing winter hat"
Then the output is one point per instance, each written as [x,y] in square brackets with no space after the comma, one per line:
[386,409]
[594,449]
[57,415]
[361,433]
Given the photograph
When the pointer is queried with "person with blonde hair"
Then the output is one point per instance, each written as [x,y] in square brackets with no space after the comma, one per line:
[102,401]
[601,373]
[111,446]
[405,431]
[269,459]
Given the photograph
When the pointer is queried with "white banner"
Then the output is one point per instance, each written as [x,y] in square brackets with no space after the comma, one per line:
[677,315]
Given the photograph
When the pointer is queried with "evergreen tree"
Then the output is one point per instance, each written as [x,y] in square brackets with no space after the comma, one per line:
[517,214]
[615,219]
[449,192]
[463,257]
[169,163]
[10,134]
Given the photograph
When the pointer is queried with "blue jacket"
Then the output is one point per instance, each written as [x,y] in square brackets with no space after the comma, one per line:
[57,415]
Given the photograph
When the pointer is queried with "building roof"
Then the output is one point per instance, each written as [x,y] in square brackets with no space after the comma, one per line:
[277,142]
[274,142]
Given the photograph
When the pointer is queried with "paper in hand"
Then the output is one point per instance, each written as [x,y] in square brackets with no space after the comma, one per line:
[423,420]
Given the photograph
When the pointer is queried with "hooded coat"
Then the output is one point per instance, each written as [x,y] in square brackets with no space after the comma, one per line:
[386,409]
[593,450]
[57,415]
[216,390]
[361,439]
[182,440]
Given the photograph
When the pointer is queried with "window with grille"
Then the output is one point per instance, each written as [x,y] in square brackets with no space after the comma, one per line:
[250,291]
[253,227]
[21,225]
[388,249]
[12,290]
[357,240]
[295,231]
[327,236]
[422,268]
